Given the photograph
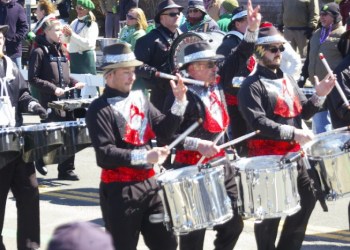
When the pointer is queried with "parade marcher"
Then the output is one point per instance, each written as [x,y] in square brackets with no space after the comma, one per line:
[153,50]
[81,36]
[272,103]
[298,20]
[124,122]
[197,18]
[49,73]
[325,41]
[208,103]
[13,15]
[237,27]
[226,9]
[16,175]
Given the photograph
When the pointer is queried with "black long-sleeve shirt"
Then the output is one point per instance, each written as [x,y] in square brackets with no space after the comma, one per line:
[111,151]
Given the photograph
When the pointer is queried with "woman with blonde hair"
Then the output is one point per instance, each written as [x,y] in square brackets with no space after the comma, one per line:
[136,25]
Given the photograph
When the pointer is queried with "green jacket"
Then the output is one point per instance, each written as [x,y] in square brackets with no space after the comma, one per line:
[224,21]
[129,34]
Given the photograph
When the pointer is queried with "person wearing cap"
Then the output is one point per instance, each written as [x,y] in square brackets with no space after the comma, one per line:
[298,20]
[197,18]
[12,14]
[125,122]
[80,235]
[153,50]
[15,174]
[81,36]
[271,102]
[226,10]
[237,27]
[325,41]
[49,72]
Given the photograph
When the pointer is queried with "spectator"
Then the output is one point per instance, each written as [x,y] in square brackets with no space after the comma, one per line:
[298,20]
[13,15]
[49,72]
[325,41]
[213,8]
[226,10]
[344,6]
[80,236]
[197,18]
[81,36]
[64,7]
[110,11]
[154,50]
[136,25]
[237,27]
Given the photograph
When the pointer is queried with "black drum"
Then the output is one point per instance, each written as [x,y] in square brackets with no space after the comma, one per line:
[10,145]
[214,38]
[76,138]
[41,139]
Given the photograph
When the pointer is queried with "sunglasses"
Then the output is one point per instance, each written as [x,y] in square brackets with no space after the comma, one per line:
[128,16]
[172,14]
[193,11]
[276,49]
[79,8]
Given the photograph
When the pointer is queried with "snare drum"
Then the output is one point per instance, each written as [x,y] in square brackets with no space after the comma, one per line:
[41,139]
[195,200]
[269,188]
[75,136]
[10,145]
[334,158]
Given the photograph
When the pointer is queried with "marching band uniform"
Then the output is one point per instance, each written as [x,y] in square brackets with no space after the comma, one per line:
[207,103]
[272,103]
[16,175]
[126,123]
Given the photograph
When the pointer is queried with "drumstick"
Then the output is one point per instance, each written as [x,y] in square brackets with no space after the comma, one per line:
[239,139]
[341,93]
[186,133]
[215,141]
[69,89]
[187,80]
[332,131]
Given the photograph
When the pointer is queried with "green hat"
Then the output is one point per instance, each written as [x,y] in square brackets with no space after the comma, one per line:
[230,5]
[87,4]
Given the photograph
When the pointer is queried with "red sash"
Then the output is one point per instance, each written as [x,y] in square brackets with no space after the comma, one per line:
[126,174]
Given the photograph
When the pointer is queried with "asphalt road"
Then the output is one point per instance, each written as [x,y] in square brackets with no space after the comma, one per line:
[66,201]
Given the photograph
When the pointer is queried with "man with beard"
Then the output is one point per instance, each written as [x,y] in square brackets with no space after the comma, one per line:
[272,103]
[197,18]
[153,50]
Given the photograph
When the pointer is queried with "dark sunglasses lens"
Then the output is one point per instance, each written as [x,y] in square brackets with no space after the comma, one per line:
[130,17]
[174,14]
[211,65]
[193,10]
[275,49]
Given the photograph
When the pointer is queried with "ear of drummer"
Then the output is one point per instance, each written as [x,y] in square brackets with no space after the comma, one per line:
[179,88]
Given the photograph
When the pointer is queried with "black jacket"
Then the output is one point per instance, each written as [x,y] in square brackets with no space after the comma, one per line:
[154,50]
[44,70]
[229,42]
[340,114]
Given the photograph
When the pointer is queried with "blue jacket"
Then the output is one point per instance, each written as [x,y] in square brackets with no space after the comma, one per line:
[13,15]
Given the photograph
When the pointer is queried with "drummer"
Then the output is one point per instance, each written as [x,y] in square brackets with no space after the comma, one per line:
[49,73]
[17,176]
[272,103]
[124,122]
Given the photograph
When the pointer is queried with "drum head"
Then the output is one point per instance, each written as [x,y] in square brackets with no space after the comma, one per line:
[214,38]
[328,145]
[258,163]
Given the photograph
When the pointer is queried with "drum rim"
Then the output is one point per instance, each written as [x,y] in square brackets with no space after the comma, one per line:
[307,147]
[45,126]
[248,159]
